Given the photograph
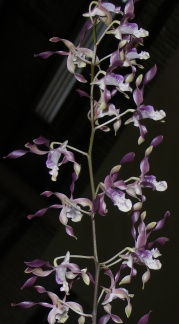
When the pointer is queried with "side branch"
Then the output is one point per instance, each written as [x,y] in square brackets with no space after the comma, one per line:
[70,147]
[115,118]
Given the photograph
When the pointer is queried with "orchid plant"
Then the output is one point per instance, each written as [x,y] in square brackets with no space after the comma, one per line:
[122,77]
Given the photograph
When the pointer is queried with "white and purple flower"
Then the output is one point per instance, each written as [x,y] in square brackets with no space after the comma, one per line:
[70,209]
[143,252]
[55,156]
[59,307]
[63,272]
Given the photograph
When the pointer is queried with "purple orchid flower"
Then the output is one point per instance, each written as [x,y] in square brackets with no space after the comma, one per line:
[144,111]
[144,253]
[63,271]
[114,189]
[126,30]
[77,56]
[115,80]
[126,56]
[59,308]
[113,293]
[101,12]
[56,156]
[102,108]
[146,181]
[70,209]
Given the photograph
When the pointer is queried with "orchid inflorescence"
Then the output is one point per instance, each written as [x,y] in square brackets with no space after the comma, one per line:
[121,78]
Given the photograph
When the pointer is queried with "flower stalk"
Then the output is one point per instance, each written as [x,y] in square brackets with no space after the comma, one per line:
[91,175]
[127,195]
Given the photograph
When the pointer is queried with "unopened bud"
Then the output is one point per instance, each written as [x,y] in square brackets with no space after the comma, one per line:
[143,215]
[139,80]
[151,226]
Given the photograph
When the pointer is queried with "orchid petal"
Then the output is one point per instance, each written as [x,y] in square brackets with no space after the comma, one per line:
[127,158]
[29,283]
[25,304]
[116,318]
[144,319]
[156,141]
[16,154]
[70,231]
[104,319]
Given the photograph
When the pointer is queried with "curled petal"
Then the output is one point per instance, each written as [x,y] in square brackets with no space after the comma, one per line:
[44,55]
[80,78]
[144,319]
[157,140]
[37,263]
[41,273]
[116,318]
[161,223]
[150,75]
[47,54]
[129,8]
[160,240]
[100,205]
[29,283]
[86,27]
[16,154]
[25,304]
[144,166]
[138,96]
[39,213]
[70,231]
[42,211]
[104,319]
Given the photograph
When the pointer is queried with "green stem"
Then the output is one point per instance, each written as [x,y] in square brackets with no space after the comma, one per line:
[111,264]
[105,32]
[72,256]
[91,175]
[75,310]
[114,118]
[119,254]
[68,202]
[70,147]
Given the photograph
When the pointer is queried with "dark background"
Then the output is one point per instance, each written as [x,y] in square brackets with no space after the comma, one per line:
[26,85]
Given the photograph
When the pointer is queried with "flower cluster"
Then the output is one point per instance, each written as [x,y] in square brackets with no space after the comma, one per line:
[143,252]
[59,308]
[133,186]
[124,57]
[122,77]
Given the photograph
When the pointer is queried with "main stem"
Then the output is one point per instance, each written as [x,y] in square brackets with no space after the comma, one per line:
[96,262]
